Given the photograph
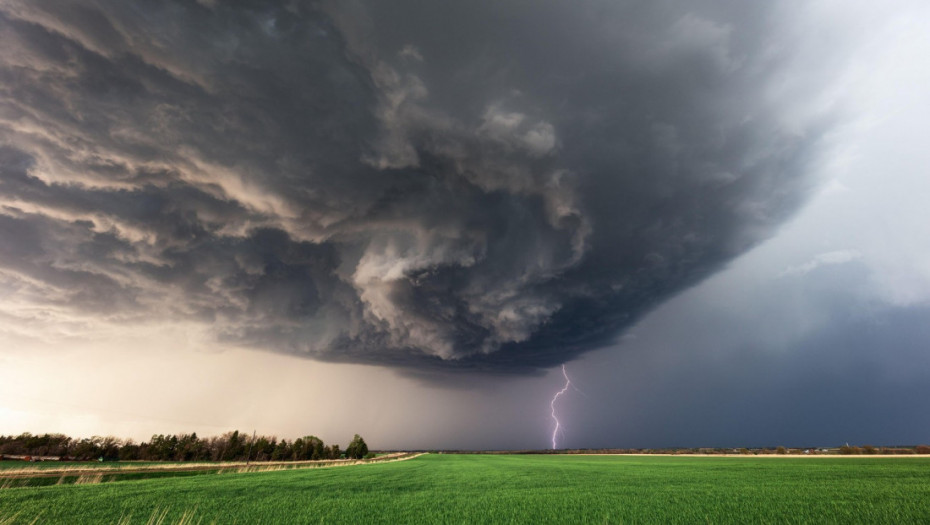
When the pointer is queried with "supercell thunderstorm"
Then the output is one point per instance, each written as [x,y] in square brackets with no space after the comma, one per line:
[499,188]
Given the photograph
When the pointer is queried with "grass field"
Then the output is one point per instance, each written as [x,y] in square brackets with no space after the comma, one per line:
[509,489]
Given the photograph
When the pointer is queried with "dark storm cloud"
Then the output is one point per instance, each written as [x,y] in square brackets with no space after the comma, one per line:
[811,365]
[492,185]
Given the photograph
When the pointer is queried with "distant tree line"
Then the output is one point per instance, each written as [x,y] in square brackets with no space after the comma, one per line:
[871,449]
[231,446]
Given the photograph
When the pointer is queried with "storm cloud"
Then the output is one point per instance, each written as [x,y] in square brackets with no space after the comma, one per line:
[480,185]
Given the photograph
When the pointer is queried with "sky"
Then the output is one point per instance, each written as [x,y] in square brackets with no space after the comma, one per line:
[399,220]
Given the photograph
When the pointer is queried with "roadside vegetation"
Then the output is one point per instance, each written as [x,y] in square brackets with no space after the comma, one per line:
[18,474]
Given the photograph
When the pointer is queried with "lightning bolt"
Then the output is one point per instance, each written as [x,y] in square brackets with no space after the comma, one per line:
[558,426]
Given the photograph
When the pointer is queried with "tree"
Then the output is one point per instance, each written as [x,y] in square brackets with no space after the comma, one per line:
[331,452]
[314,446]
[357,449]
[300,450]
[235,447]
[282,451]
[129,451]
[191,448]
[263,448]
[87,448]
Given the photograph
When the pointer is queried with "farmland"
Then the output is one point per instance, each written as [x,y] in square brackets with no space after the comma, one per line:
[505,489]
[19,474]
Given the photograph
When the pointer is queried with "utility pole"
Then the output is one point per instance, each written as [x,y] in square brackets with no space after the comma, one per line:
[248,455]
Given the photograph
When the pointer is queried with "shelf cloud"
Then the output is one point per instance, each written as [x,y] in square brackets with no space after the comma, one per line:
[493,186]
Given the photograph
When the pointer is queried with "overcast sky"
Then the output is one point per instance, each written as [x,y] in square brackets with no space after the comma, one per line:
[399,220]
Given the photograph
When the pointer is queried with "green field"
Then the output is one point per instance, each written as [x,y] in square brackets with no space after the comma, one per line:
[509,489]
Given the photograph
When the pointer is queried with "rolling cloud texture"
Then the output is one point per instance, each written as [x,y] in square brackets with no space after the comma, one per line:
[478,185]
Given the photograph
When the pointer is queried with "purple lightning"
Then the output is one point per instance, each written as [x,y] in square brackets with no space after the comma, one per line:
[568,384]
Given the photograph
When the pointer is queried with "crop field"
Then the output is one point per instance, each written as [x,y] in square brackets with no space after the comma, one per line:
[438,488]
